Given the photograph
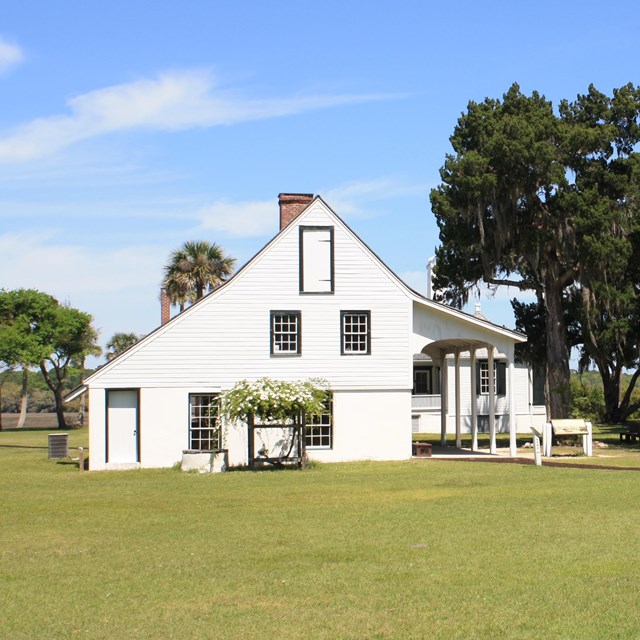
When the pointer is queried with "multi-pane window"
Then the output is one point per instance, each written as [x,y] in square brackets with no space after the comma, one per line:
[285,332]
[484,377]
[422,382]
[204,429]
[355,332]
[319,428]
[499,378]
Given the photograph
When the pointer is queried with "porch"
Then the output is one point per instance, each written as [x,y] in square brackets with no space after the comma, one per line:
[478,399]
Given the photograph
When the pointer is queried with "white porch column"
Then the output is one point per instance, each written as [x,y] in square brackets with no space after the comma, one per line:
[492,401]
[474,402]
[513,449]
[458,430]
[444,398]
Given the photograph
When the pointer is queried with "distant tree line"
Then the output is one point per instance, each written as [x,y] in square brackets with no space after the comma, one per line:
[41,398]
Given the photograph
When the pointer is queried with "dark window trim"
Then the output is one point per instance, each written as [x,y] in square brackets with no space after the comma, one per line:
[424,368]
[301,230]
[190,395]
[349,312]
[286,354]
[310,426]
[106,422]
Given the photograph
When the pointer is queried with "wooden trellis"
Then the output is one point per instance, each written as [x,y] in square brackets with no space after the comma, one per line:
[297,453]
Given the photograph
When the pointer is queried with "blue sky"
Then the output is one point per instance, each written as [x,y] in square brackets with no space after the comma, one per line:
[127,128]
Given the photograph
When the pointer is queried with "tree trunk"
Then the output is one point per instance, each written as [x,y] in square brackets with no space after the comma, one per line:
[62,422]
[558,378]
[24,397]
[57,387]
[611,390]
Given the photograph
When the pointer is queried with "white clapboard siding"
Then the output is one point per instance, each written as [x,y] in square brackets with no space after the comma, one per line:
[226,337]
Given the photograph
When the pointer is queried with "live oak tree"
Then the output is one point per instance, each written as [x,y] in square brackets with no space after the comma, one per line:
[194,269]
[36,330]
[546,201]
[21,335]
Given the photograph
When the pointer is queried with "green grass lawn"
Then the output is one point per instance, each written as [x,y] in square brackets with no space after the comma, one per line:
[416,549]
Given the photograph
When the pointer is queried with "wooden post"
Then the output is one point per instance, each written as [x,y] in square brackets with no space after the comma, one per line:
[81,458]
[474,401]
[458,409]
[513,445]
[303,442]
[444,398]
[492,401]
[251,453]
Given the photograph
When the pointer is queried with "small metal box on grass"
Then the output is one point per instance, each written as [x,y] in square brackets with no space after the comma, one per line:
[58,445]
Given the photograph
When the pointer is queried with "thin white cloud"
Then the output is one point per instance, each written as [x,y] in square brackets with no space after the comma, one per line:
[173,101]
[10,55]
[260,217]
[38,261]
[362,198]
[243,219]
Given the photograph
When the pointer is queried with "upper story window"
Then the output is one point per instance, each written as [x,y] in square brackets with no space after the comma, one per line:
[204,430]
[355,332]
[316,260]
[499,378]
[285,333]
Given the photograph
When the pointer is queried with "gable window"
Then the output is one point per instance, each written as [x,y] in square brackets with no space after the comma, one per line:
[355,332]
[204,429]
[499,377]
[319,428]
[285,333]
[316,260]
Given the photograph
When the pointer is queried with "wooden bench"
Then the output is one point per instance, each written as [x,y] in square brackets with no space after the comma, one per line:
[422,449]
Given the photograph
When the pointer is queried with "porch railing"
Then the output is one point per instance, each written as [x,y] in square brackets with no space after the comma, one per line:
[430,402]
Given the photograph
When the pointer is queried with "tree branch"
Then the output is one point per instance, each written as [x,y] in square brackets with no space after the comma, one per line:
[519,284]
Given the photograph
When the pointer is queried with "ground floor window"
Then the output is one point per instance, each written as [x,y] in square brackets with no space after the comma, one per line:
[499,378]
[204,430]
[538,376]
[422,381]
[319,430]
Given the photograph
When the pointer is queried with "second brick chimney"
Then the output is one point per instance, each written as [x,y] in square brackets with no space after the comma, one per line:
[165,307]
[291,206]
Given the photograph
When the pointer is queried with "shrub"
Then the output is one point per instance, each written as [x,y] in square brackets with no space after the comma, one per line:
[588,400]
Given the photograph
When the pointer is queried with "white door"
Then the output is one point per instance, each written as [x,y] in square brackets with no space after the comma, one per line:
[123,426]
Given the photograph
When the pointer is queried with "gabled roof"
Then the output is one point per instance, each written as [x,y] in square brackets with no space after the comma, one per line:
[480,321]
[411,294]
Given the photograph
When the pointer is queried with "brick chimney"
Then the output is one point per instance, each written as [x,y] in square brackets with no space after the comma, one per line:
[165,307]
[291,206]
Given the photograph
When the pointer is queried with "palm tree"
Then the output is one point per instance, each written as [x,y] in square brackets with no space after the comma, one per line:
[119,343]
[194,269]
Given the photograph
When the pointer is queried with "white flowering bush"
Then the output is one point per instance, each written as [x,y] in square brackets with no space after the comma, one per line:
[273,400]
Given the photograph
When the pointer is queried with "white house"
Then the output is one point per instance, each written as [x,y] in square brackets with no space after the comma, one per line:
[314,302]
